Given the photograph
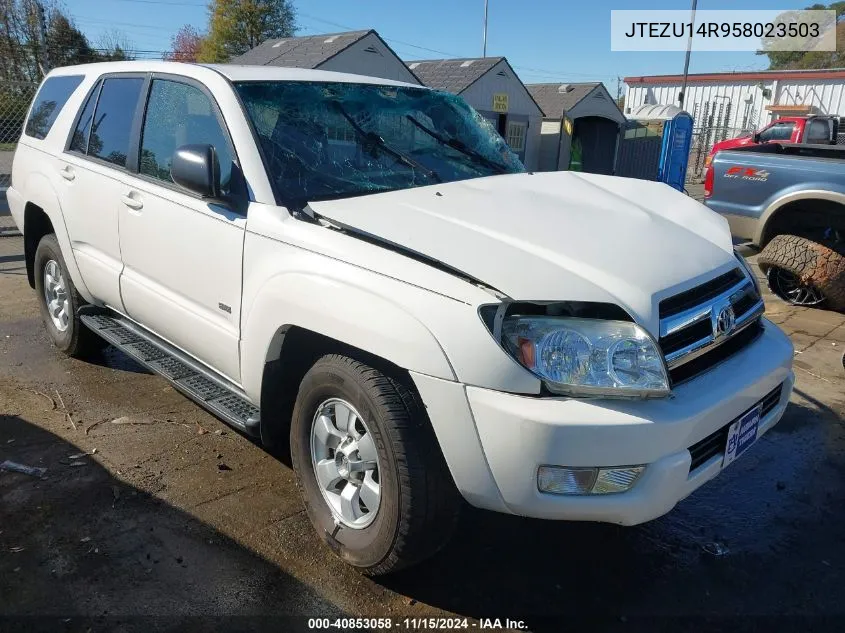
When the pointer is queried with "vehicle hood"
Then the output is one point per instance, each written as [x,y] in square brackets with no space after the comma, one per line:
[739,141]
[553,236]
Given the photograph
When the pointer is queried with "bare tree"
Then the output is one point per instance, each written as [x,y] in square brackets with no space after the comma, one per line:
[115,46]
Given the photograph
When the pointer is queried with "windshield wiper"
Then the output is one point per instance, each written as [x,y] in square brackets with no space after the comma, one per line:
[375,139]
[460,146]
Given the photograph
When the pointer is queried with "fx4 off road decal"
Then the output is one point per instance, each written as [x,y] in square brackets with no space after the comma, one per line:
[747,173]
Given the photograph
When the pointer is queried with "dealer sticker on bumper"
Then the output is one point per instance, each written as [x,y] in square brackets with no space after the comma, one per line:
[741,435]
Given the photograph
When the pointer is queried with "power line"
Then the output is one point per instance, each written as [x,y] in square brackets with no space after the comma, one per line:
[535,71]
[172,4]
[551,75]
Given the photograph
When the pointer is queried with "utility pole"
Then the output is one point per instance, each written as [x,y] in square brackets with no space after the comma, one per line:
[41,16]
[484,53]
[683,95]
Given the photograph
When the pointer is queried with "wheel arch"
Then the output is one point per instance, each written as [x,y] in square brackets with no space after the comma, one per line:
[43,211]
[292,352]
[813,205]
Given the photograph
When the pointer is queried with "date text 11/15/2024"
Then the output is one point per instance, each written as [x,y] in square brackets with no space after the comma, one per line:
[415,624]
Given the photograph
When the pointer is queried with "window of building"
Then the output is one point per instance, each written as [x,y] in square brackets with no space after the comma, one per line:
[516,136]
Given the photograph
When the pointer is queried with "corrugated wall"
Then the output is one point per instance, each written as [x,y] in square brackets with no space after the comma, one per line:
[747,103]
[735,105]
[827,96]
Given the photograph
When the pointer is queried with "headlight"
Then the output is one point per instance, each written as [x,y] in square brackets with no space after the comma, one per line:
[587,357]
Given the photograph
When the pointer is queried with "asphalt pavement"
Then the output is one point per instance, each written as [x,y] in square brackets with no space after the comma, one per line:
[153,515]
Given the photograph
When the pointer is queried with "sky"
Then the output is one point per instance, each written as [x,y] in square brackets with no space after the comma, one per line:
[544,40]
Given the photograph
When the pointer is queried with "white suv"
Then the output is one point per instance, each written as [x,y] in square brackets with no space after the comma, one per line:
[362,271]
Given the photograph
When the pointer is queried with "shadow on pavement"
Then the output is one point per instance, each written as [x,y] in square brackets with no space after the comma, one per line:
[760,511]
[82,550]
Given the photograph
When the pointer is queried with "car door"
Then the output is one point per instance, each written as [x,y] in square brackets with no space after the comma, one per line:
[93,169]
[182,255]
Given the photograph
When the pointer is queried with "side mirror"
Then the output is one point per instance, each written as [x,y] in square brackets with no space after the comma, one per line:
[755,137]
[197,169]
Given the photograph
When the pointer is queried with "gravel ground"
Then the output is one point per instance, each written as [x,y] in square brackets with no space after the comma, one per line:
[171,520]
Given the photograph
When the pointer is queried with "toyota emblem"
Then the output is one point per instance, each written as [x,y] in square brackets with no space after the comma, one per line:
[724,322]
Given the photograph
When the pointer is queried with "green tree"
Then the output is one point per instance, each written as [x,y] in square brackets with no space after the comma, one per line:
[236,26]
[798,60]
[23,57]
[66,44]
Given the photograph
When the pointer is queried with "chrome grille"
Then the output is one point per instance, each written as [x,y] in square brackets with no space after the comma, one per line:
[694,323]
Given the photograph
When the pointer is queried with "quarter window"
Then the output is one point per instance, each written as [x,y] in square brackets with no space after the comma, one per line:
[79,141]
[112,126]
[180,114]
[49,101]
[516,136]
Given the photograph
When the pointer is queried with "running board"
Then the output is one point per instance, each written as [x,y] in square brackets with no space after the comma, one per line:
[215,394]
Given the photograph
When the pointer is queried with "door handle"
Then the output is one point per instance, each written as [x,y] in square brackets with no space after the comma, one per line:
[132,202]
[67,173]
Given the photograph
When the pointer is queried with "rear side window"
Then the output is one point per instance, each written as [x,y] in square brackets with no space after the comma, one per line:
[112,125]
[49,101]
[818,131]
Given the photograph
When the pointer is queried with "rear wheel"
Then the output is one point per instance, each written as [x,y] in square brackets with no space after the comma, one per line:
[803,272]
[374,482]
[59,302]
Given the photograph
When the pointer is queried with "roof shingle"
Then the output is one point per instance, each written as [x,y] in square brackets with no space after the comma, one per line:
[553,99]
[299,52]
[452,75]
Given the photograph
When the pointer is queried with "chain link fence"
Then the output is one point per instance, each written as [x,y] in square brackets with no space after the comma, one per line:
[15,98]
[703,140]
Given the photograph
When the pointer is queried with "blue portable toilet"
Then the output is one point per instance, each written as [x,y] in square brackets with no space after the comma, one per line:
[667,125]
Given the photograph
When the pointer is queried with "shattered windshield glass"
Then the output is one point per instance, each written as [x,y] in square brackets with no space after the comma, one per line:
[335,140]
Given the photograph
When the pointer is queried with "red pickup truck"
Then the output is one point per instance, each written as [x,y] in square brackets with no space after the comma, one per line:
[816,130]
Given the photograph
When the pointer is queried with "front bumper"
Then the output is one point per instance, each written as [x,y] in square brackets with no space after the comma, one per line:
[517,434]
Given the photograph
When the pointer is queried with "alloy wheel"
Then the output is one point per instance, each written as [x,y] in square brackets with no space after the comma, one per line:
[56,295]
[345,462]
[789,287]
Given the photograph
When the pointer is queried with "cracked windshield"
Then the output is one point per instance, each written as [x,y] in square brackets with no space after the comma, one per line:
[335,140]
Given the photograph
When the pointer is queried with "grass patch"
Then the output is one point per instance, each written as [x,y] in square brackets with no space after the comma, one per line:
[7,147]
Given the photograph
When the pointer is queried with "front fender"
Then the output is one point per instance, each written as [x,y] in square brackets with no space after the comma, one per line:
[355,315]
[39,190]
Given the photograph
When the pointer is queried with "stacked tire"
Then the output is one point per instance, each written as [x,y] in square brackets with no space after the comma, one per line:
[815,265]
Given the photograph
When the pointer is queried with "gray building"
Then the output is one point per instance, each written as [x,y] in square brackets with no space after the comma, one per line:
[583,115]
[356,52]
[492,87]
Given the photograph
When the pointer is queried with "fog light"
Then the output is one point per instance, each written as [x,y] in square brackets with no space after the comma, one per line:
[560,480]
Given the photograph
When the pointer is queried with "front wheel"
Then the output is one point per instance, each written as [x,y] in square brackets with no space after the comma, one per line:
[374,482]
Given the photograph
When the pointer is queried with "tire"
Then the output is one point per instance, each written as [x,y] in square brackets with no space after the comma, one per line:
[816,265]
[75,340]
[419,503]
